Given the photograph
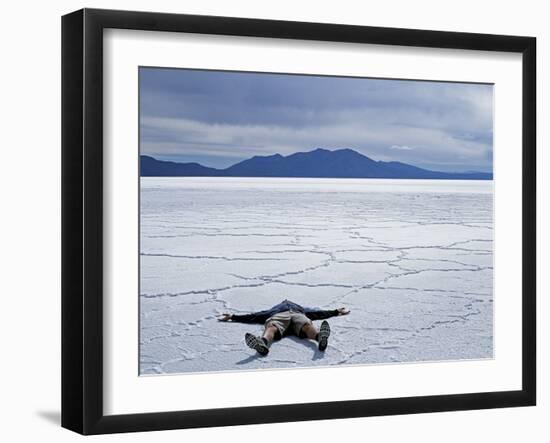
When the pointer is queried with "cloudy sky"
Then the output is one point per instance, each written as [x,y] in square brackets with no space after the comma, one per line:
[218,118]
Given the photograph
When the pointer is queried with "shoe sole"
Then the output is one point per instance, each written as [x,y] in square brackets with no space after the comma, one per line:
[255,343]
[324,334]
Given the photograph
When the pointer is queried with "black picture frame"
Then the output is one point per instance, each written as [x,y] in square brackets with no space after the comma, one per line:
[82,218]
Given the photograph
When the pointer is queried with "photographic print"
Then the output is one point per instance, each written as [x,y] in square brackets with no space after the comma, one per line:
[295,221]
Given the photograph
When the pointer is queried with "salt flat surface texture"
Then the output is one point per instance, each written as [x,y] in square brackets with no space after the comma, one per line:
[412,259]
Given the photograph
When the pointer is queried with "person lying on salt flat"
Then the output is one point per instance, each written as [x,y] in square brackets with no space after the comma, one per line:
[284,319]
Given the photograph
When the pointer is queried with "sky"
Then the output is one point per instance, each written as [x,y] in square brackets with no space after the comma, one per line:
[218,118]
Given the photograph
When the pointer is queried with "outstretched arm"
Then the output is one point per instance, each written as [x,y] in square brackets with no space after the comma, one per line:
[255,317]
[320,314]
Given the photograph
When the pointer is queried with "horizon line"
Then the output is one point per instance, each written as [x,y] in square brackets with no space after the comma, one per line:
[471,171]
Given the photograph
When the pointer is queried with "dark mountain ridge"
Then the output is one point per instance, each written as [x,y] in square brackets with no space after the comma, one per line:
[319,163]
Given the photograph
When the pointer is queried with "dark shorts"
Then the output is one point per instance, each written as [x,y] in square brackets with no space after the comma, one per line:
[288,322]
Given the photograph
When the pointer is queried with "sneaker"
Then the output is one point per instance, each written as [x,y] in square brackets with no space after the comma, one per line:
[324,333]
[256,343]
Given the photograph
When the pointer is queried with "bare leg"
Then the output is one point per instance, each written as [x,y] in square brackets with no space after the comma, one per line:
[310,331]
[269,333]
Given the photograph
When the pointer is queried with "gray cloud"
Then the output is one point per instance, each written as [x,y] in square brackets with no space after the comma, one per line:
[220,118]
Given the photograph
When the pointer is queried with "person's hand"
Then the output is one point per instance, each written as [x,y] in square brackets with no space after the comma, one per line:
[225,317]
[343,311]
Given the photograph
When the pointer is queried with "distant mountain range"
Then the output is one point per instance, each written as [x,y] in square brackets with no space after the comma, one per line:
[319,163]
